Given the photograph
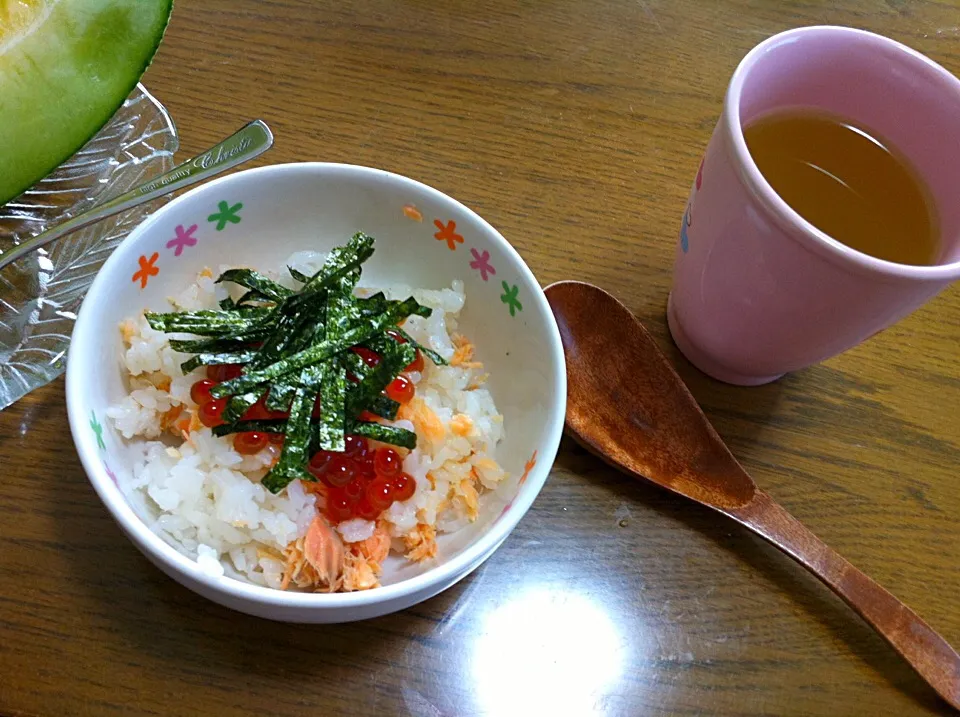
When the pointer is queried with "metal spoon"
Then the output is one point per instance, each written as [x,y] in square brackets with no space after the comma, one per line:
[251,141]
[627,404]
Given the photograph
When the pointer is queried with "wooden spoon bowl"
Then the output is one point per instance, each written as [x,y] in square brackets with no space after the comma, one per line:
[626,404]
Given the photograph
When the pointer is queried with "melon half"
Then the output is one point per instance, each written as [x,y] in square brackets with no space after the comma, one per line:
[66,66]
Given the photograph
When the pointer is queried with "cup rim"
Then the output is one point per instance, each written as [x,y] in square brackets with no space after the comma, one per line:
[246,594]
[799,228]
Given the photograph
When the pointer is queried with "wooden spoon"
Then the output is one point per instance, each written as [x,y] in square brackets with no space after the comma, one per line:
[627,404]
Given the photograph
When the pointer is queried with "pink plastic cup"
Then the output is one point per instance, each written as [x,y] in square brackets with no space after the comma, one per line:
[757,290]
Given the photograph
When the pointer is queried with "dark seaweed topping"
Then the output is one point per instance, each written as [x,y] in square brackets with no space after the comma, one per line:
[257,283]
[295,347]
[385,434]
[429,353]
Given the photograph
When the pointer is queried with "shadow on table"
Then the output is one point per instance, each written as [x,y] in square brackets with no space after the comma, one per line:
[788,576]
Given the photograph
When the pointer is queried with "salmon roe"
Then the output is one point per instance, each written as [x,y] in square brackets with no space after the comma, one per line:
[211,413]
[361,482]
[401,389]
[249,442]
[200,391]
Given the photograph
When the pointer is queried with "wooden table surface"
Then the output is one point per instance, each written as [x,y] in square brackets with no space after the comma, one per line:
[575,127]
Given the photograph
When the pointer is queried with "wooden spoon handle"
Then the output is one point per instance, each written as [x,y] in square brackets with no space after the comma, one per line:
[928,653]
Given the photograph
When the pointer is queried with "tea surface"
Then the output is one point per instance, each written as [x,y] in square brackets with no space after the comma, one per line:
[847,183]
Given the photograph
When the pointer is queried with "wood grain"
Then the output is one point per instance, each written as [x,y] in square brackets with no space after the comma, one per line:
[575,128]
[627,405]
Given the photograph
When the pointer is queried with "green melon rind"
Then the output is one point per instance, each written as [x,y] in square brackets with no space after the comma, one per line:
[60,84]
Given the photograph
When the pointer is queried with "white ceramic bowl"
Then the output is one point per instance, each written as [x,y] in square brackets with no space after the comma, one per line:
[286,208]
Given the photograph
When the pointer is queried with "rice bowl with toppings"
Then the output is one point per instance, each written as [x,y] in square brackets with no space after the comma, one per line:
[215,494]
[285,210]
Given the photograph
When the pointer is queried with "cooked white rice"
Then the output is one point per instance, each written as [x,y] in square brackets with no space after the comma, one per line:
[205,499]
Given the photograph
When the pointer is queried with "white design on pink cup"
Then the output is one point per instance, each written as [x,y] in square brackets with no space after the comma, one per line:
[758,291]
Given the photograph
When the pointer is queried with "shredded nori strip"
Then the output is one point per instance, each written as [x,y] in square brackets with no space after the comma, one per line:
[273,346]
[298,276]
[429,353]
[385,434]
[373,305]
[226,324]
[293,459]
[340,262]
[341,307]
[253,296]
[217,359]
[280,396]
[256,282]
[384,407]
[332,421]
[238,405]
[267,425]
[219,346]
[356,365]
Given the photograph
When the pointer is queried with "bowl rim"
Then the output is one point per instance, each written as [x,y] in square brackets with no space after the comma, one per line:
[438,576]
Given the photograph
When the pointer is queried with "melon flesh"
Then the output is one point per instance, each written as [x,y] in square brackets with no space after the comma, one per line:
[66,66]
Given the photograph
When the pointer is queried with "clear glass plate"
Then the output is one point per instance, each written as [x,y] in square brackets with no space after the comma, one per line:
[41,293]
